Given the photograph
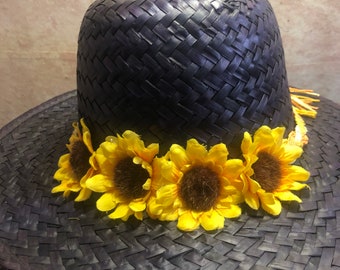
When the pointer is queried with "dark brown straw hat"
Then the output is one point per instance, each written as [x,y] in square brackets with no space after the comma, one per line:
[148,66]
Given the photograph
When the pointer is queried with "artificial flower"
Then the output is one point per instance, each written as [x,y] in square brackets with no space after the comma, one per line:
[124,178]
[269,176]
[195,186]
[75,167]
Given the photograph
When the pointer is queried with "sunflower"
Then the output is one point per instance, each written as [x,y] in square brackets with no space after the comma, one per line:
[269,175]
[124,178]
[75,167]
[195,186]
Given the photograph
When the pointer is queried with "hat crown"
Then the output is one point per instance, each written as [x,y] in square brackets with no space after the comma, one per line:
[172,70]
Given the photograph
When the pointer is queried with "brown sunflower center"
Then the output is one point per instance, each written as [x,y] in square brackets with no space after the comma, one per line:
[267,171]
[199,188]
[79,159]
[129,179]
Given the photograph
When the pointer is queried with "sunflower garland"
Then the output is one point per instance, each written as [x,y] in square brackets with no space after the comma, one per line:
[194,185]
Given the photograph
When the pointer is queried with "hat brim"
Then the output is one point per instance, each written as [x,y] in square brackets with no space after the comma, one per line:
[41,230]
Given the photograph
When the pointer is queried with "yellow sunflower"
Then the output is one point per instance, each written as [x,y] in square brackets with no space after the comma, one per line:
[125,171]
[195,186]
[269,175]
[75,167]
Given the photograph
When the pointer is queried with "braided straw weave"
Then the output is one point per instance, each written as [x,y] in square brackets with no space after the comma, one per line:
[39,230]
[171,70]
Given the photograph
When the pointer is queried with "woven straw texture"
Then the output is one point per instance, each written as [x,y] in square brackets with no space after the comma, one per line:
[172,70]
[39,230]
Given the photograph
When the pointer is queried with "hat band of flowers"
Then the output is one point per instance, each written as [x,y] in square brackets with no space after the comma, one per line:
[194,185]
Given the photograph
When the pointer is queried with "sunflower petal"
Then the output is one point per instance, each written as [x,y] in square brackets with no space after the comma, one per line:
[170,214]
[278,134]
[66,193]
[150,152]
[186,222]
[233,211]
[99,183]
[233,168]
[137,206]
[297,173]
[196,151]
[246,142]
[291,153]
[273,209]
[253,186]
[218,154]
[154,209]
[74,187]
[297,186]
[164,173]
[252,200]
[263,137]
[166,195]
[287,196]
[107,149]
[130,141]
[122,211]
[178,155]
[83,195]
[106,202]
[212,220]
[68,185]
[64,159]
[147,184]
[62,174]
[105,165]
[138,215]
[270,204]
[59,188]
[86,136]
